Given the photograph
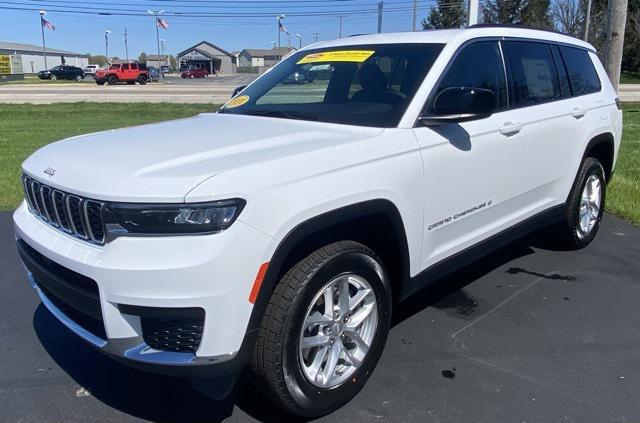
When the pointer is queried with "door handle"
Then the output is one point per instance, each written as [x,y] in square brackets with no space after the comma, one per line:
[510,128]
[578,112]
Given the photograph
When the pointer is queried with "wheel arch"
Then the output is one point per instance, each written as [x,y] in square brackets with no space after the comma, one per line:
[374,223]
[602,147]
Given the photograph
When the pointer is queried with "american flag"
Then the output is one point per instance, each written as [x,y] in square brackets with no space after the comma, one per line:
[46,24]
[162,24]
[282,27]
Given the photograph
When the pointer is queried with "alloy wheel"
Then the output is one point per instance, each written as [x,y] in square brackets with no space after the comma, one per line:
[339,327]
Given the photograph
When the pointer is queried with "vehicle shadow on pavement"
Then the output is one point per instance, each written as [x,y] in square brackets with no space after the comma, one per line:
[140,394]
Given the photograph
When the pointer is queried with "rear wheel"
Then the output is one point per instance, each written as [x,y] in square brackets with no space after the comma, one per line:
[324,329]
[142,80]
[585,206]
[54,78]
[79,78]
[112,80]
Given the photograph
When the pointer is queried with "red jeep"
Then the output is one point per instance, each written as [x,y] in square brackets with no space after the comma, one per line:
[123,72]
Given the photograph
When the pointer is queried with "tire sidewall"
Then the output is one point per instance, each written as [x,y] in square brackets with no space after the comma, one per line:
[312,400]
[590,167]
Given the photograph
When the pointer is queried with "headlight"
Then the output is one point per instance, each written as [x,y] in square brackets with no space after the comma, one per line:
[170,219]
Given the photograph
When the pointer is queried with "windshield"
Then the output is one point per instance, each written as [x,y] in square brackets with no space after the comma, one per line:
[368,85]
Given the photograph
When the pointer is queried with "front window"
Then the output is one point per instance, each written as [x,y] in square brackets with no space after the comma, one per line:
[368,85]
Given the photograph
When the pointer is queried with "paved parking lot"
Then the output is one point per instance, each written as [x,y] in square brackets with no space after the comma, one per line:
[528,334]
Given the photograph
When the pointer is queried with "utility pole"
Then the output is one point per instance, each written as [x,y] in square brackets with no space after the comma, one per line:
[340,30]
[415,14]
[617,18]
[474,5]
[164,57]
[586,21]
[316,36]
[44,45]
[126,43]
[106,44]
[380,6]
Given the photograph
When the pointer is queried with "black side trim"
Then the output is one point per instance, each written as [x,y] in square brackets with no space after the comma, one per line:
[163,312]
[475,252]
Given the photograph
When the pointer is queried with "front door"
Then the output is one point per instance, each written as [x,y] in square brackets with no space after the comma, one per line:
[473,170]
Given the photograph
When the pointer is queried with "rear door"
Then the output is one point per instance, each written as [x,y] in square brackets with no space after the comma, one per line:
[539,88]
[473,170]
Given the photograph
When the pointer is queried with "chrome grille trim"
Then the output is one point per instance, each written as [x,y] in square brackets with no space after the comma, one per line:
[41,199]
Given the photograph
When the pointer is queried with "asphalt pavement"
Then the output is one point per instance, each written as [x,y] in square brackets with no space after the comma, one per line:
[172,89]
[528,334]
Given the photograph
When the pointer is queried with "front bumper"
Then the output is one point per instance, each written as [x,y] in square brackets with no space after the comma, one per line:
[210,272]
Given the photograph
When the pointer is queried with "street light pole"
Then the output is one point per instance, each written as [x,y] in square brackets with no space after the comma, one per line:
[44,45]
[106,44]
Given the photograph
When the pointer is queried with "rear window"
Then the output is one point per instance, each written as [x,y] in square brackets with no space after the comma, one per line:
[533,70]
[582,74]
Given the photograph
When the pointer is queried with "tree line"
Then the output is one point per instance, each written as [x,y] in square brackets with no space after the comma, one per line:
[566,16]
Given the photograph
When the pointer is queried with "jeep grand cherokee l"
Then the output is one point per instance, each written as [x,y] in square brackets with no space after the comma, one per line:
[279,232]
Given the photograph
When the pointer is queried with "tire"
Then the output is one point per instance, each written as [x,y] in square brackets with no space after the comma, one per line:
[280,362]
[54,78]
[79,78]
[100,82]
[142,80]
[112,80]
[191,76]
[574,233]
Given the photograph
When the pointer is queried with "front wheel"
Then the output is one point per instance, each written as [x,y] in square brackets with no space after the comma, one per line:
[324,329]
[54,78]
[585,206]
[142,80]
[79,78]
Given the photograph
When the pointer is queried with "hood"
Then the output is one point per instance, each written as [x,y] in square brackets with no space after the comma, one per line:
[163,162]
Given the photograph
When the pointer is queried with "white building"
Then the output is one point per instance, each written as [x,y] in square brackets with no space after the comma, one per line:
[27,58]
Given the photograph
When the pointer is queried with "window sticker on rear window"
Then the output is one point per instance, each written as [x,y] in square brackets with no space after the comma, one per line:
[357,56]
[237,102]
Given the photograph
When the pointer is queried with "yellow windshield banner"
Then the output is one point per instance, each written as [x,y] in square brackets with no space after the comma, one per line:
[237,102]
[357,56]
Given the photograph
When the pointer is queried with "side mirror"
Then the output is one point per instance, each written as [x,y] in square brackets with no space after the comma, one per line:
[237,90]
[460,104]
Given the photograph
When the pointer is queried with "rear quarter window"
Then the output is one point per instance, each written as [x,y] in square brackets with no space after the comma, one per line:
[582,74]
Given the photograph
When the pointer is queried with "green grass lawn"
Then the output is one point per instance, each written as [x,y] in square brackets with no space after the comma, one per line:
[25,128]
[629,78]
[624,190]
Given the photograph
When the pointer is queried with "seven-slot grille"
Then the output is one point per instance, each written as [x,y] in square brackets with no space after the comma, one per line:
[71,214]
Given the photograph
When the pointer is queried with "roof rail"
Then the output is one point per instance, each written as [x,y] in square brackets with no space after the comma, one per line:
[518,26]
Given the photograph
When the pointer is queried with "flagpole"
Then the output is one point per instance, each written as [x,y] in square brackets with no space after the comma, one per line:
[157,16]
[44,45]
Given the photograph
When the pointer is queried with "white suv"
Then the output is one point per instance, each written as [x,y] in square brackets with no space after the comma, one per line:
[279,232]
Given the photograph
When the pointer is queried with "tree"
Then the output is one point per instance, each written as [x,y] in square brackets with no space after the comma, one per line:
[447,14]
[532,13]
[569,17]
[537,14]
[173,63]
[99,60]
[503,12]
[631,52]
[142,58]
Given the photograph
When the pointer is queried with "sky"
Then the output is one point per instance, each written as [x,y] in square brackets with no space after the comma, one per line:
[230,24]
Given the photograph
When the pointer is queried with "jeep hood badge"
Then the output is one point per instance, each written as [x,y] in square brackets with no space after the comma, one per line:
[50,171]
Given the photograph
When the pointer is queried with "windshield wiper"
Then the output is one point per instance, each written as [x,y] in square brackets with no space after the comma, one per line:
[280,114]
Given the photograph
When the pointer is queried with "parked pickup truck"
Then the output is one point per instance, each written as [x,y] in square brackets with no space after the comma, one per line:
[123,72]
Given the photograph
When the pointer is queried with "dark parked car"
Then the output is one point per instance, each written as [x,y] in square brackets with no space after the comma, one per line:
[62,72]
[194,72]
[154,73]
